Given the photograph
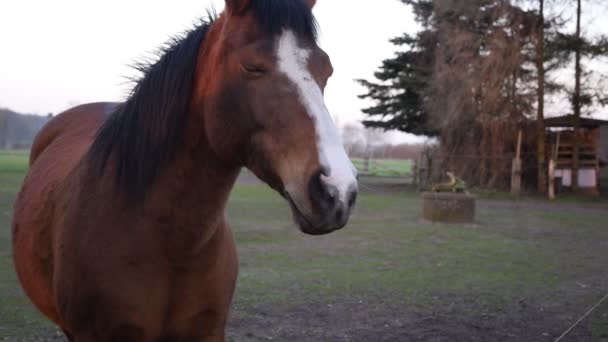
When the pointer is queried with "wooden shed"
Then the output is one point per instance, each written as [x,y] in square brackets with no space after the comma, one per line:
[593,152]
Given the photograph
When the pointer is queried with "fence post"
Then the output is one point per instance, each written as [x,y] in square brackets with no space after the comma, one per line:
[423,167]
[414,172]
[516,167]
[516,177]
[551,179]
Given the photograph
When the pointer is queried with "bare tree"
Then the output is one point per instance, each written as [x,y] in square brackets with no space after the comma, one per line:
[374,138]
[481,86]
[353,137]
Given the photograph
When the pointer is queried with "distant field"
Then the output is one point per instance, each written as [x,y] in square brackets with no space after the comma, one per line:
[13,161]
[17,161]
[385,167]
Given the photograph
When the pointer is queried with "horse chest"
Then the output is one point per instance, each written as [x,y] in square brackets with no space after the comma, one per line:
[158,289]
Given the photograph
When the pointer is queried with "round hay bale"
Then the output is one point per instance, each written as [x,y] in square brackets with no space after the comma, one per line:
[448,207]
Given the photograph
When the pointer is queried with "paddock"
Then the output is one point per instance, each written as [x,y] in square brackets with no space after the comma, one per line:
[525,271]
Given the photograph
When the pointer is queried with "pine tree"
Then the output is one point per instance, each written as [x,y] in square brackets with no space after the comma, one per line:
[400,90]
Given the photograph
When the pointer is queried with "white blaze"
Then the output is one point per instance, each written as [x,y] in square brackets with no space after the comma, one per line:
[293,62]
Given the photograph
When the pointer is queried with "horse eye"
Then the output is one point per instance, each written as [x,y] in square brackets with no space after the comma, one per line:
[253,69]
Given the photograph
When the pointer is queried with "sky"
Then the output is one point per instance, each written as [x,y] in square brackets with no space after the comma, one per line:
[60,53]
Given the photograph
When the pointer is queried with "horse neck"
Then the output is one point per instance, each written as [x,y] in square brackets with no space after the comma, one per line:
[195,187]
[192,192]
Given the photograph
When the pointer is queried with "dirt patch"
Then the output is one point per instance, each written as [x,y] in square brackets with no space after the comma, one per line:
[382,319]
[389,319]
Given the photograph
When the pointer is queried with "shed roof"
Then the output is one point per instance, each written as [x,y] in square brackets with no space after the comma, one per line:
[568,121]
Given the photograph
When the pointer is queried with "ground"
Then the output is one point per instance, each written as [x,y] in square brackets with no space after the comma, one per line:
[525,271]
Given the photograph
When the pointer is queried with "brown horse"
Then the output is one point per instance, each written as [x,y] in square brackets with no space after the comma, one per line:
[119,231]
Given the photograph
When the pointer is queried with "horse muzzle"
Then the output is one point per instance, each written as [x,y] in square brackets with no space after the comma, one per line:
[331,208]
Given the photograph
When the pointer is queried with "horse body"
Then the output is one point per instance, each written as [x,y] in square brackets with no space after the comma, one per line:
[178,247]
[119,231]
[56,150]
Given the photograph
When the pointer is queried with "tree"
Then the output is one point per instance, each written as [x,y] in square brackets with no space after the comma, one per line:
[465,77]
[353,138]
[579,46]
[399,92]
[3,128]
[475,71]
[540,110]
[576,99]
[482,85]
[18,130]
[549,57]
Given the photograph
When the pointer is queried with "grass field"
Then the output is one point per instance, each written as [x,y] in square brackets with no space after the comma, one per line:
[525,272]
[13,161]
[385,167]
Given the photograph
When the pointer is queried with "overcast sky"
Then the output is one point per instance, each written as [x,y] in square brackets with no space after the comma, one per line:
[55,54]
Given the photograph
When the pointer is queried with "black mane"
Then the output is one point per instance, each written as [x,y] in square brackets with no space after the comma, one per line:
[275,15]
[143,133]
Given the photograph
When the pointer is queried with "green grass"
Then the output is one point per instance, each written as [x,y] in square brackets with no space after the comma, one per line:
[385,167]
[17,315]
[13,161]
[513,252]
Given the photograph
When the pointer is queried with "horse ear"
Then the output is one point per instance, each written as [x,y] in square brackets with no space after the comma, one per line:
[310,3]
[237,6]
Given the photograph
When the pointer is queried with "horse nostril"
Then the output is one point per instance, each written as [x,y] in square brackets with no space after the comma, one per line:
[340,215]
[352,199]
[324,196]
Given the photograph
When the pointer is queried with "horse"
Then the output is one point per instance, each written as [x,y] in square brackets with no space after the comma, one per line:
[119,230]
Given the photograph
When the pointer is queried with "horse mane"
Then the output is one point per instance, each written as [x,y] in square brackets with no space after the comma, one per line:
[274,16]
[143,133]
